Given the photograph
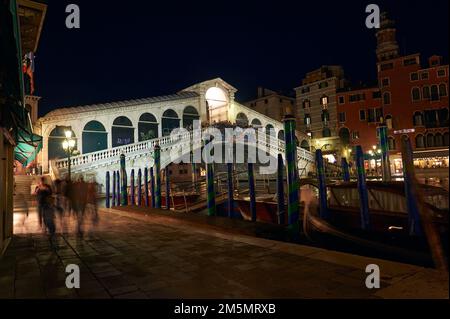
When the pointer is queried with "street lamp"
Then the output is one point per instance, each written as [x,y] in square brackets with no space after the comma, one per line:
[69,145]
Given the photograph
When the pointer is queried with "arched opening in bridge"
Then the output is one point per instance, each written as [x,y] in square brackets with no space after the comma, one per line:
[270,132]
[95,137]
[122,132]
[217,104]
[190,115]
[305,145]
[242,120]
[256,124]
[170,121]
[55,142]
[344,134]
[147,127]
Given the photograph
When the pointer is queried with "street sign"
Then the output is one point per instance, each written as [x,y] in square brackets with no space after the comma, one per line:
[407,131]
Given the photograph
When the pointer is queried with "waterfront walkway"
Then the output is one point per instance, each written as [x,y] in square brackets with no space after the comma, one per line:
[166,255]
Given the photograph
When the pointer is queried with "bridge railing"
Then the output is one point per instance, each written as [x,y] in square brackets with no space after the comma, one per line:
[274,146]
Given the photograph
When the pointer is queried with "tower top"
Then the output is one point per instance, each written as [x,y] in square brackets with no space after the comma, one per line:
[387,46]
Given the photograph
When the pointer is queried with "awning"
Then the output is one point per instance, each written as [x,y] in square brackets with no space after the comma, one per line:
[431,154]
[28,146]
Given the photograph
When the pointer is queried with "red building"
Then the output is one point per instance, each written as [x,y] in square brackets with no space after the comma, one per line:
[411,99]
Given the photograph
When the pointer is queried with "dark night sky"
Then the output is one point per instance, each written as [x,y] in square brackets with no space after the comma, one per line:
[135,49]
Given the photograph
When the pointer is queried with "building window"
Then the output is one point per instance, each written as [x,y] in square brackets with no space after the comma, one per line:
[357,97]
[307,119]
[324,100]
[439,140]
[430,140]
[416,94]
[376,95]
[379,114]
[418,119]
[326,132]
[387,98]
[446,139]
[266,101]
[355,135]
[386,82]
[389,123]
[387,66]
[392,144]
[434,93]
[323,85]
[306,104]
[341,99]
[342,117]
[420,141]
[411,61]
[362,115]
[424,76]
[441,73]
[414,76]
[442,90]
[325,116]
[426,95]
[371,116]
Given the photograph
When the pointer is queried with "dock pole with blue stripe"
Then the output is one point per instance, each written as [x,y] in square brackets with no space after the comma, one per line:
[157,173]
[362,189]
[108,199]
[323,197]
[292,177]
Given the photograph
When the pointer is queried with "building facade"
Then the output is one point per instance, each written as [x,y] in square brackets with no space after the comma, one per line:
[272,104]
[316,109]
[20,27]
[410,99]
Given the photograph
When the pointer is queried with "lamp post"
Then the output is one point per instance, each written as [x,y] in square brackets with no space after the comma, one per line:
[69,145]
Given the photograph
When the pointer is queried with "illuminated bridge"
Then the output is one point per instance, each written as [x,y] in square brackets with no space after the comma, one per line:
[103,132]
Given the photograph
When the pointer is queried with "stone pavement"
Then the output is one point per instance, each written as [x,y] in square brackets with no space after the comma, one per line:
[130,255]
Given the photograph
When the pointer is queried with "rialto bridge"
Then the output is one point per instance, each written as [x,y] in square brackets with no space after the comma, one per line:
[105,131]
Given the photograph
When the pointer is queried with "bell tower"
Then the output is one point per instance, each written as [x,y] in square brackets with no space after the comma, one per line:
[387,46]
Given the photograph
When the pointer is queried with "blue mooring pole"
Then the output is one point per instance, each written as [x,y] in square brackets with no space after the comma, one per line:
[139,187]
[157,173]
[118,188]
[323,198]
[124,182]
[362,189]
[280,191]
[114,195]
[152,186]
[252,191]
[410,189]
[132,189]
[292,175]
[230,190]
[345,170]
[147,202]
[167,174]
[108,199]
